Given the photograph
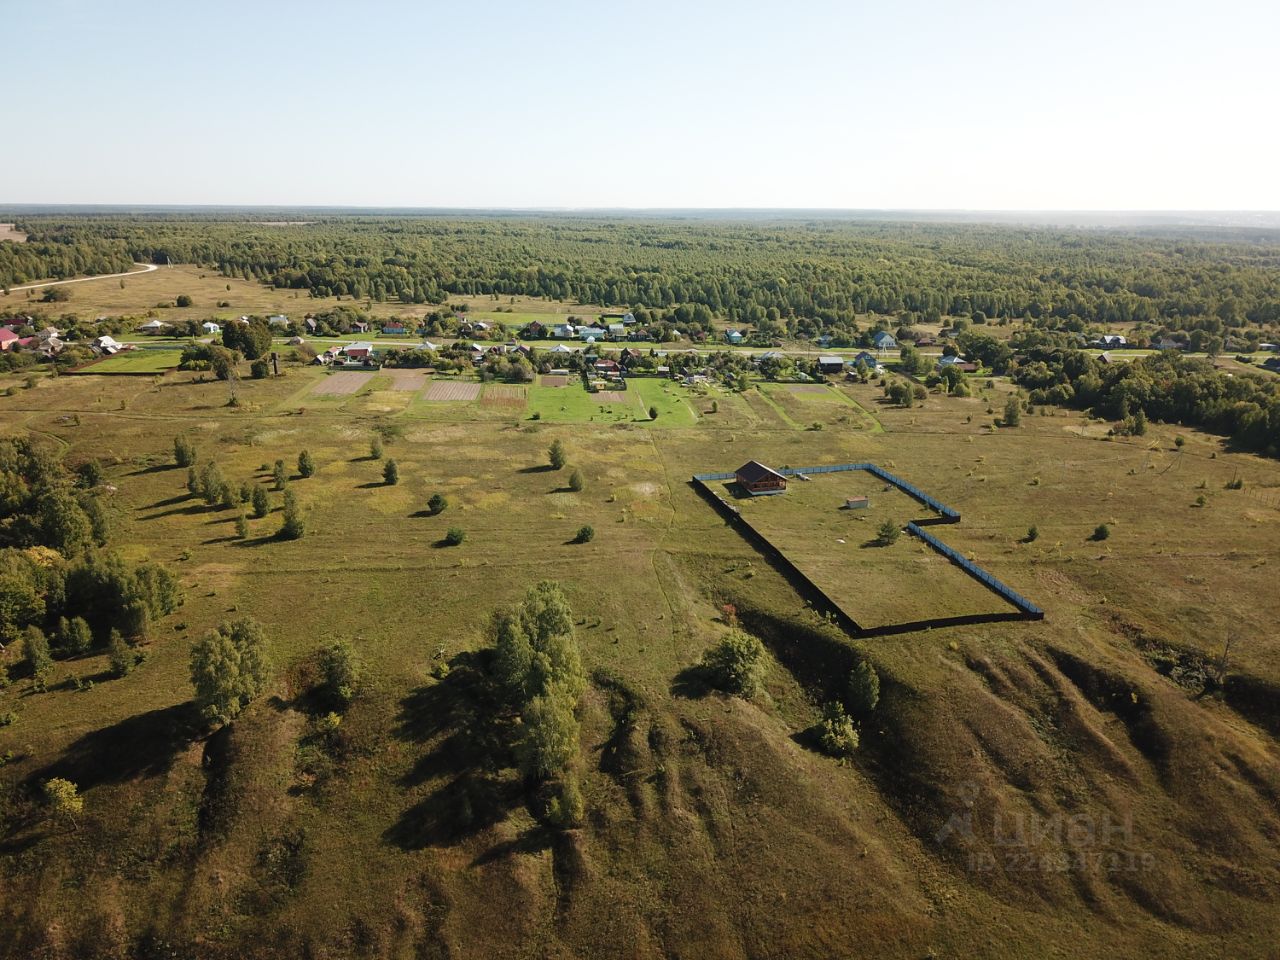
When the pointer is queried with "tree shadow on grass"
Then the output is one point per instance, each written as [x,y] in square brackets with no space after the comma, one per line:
[460,721]
[170,502]
[137,747]
[154,468]
[540,468]
[692,683]
[373,485]
[192,511]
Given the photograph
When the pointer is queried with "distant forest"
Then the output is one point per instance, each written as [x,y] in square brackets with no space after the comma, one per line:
[824,272]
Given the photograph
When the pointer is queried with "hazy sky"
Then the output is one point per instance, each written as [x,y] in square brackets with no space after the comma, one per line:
[1086,104]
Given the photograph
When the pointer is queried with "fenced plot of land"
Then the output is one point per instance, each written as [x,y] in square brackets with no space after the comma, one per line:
[341,384]
[878,585]
[508,395]
[610,396]
[407,381]
[452,390]
[556,381]
[807,388]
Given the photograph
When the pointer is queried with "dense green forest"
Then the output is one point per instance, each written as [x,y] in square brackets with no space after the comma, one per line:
[824,271]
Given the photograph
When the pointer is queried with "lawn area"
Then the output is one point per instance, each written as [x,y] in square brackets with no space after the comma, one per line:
[572,404]
[672,401]
[136,361]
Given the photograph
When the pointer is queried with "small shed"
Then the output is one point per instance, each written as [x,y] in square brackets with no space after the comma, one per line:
[758,480]
[857,503]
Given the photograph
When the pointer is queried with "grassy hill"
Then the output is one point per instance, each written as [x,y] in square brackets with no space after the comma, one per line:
[1063,788]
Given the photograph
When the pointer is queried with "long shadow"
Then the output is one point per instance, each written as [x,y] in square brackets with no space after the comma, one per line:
[373,485]
[191,511]
[156,468]
[171,501]
[938,623]
[460,721]
[143,745]
[540,468]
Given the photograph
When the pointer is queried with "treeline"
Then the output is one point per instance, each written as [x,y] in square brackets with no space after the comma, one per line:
[59,254]
[824,273]
[59,586]
[1165,387]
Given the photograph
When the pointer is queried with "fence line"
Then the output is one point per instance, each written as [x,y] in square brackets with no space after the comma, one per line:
[991,583]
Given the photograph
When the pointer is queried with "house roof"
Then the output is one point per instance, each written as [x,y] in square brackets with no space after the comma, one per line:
[830,358]
[753,471]
[882,335]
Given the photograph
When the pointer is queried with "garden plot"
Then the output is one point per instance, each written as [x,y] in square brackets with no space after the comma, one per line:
[452,390]
[407,381]
[341,384]
[506,395]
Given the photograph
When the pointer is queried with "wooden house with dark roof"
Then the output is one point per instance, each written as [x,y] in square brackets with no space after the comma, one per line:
[758,480]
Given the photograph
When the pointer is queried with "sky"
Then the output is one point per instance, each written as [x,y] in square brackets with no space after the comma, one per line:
[892,104]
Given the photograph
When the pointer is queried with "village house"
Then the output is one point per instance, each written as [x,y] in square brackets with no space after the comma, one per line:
[210,327]
[884,340]
[734,336]
[278,320]
[830,363]
[395,329]
[104,344]
[758,480]
[152,326]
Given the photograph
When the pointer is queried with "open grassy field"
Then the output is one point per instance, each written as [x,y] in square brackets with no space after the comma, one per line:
[713,827]
[135,361]
[10,232]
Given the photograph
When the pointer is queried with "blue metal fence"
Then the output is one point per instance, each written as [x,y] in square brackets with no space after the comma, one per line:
[975,571]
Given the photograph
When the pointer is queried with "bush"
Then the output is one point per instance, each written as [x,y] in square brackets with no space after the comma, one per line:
[586,534]
[342,670]
[183,300]
[184,452]
[864,688]
[736,664]
[36,647]
[76,637]
[242,525]
[1012,412]
[437,504]
[1101,532]
[556,455]
[888,532]
[653,413]
[120,655]
[576,482]
[454,536]
[375,448]
[306,465]
[837,734]
[1033,533]
[279,475]
[260,369]
[390,473]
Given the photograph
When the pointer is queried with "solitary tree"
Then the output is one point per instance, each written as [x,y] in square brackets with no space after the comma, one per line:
[279,474]
[556,455]
[120,655]
[836,732]
[454,536]
[229,669]
[65,802]
[1012,412]
[375,447]
[1101,532]
[184,452]
[306,466]
[653,413]
[888,532]
[242,525]
[736,664]
[390,473]
[293,526]
[437,504]
[576,482]
[342,670]
[261,501]
[864,688]
[586,534]
[77,637]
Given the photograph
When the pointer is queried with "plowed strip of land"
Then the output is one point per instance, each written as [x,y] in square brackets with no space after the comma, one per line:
[341,384]
[407,381]
[503,395]
[610,396]
[445,390]
[549,381]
